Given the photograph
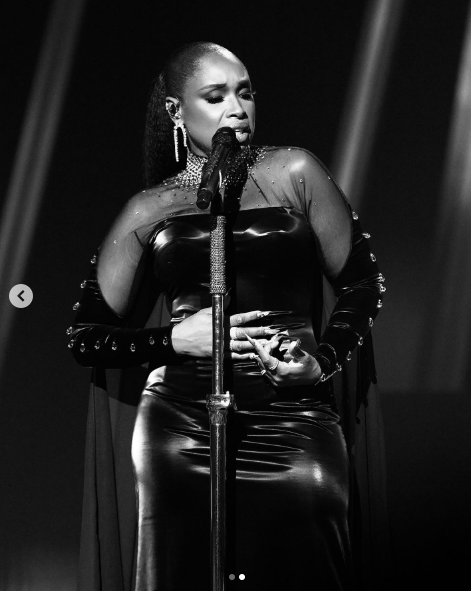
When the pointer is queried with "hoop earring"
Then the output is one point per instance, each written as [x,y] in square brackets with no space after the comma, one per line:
[181,125]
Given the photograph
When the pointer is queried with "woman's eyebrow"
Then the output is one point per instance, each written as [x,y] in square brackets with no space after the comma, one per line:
[245,82]
[212,86]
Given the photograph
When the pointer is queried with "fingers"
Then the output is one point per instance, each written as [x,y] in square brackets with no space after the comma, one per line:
[260,350]
[240,319]
[254,332]
[241,356]
[242,346]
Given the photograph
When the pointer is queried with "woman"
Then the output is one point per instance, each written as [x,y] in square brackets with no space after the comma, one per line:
[288,468]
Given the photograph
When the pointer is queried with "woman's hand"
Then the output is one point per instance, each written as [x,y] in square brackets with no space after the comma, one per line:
[298,368]
[194,335]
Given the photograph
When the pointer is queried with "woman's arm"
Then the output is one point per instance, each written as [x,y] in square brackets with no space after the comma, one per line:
[99,335]
[349,266]
[347,262]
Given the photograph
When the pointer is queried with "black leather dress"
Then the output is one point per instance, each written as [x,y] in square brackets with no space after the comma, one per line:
[288,467]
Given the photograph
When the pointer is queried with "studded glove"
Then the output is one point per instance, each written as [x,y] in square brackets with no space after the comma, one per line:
[359,290]
[99,337]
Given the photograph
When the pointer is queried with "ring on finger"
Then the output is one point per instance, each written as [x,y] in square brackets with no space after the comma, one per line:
[263,372]
[236,333]
[231,346]
[273,365]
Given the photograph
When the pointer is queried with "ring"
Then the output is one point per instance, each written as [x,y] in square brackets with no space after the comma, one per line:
[274,365]
[235,333]
[263,372]
[230,346]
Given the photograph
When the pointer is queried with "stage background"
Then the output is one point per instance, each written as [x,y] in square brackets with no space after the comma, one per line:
[299,56]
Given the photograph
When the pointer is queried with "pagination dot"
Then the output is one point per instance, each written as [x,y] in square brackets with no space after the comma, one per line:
[231,577]
[241,576]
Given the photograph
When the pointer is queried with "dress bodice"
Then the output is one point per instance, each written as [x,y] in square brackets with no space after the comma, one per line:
[291,221]
[271,264]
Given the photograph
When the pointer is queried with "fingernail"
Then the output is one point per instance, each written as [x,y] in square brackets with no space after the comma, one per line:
[279,313]
[272,330]
[262,314]
[297,349]
[282,334]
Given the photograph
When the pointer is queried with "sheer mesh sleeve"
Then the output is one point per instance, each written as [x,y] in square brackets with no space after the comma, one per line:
[346,259]
[100,336]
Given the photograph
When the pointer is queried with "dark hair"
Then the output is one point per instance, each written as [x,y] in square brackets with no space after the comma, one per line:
[159,151]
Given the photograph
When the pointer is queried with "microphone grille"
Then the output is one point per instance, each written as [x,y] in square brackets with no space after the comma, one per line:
[225,136]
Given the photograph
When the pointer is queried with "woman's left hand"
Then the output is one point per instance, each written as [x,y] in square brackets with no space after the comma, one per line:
[298,368]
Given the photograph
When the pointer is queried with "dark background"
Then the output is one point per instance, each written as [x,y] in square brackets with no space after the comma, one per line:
[299,56]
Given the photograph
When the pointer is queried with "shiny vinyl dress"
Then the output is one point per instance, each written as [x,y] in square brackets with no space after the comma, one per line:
[287,462]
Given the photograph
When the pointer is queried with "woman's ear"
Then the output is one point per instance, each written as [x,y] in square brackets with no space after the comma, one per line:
[173,107]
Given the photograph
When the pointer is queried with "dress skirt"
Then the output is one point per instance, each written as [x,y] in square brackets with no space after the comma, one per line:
[287,484]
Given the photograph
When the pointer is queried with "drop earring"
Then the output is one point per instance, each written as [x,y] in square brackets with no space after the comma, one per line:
[181,125]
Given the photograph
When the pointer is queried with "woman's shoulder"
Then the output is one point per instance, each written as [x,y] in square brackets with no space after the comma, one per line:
[149,204]
[295,159]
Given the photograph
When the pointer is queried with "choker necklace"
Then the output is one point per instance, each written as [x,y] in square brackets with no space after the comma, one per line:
[238,166]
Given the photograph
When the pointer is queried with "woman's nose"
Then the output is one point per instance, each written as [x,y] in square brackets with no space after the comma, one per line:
[236,108]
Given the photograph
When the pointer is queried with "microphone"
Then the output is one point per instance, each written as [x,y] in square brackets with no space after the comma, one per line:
[223,143]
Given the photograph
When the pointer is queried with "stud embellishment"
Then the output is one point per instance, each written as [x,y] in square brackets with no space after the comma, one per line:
[151,340]
[360,341]
[69,330]
[82,348]
[97,345]
[379,304]
[382,289]
[114,346]
[71,343]
[76,306]
[93,259]
[165,340]
[349,356]
[354,215]
[83,284]
[370,322]
[366,235]
[133,347]
[372,257]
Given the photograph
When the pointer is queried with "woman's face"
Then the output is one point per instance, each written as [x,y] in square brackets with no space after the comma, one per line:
[218,95]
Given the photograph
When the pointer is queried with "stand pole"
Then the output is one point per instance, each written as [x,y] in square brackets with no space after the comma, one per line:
[218,403]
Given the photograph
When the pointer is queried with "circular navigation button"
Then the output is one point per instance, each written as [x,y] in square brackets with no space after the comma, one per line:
[21,295]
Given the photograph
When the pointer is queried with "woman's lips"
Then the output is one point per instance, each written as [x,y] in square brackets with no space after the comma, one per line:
[242,134]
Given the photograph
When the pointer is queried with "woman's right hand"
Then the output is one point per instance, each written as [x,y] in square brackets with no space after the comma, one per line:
[194,335]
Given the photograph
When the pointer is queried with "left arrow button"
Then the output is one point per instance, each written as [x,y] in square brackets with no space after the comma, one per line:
[21,295]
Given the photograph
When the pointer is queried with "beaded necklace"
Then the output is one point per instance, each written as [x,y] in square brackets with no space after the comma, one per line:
[238,167]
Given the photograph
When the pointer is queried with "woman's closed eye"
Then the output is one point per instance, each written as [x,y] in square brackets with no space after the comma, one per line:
[248,96]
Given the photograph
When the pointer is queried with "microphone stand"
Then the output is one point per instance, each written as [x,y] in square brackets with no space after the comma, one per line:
[218,402]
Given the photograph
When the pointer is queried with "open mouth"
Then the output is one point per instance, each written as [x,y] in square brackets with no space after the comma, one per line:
[242,133]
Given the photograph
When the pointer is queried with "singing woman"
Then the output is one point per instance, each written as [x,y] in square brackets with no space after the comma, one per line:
[289,227]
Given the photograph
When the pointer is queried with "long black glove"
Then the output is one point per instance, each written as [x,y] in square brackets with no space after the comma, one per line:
[99,337]
[359,289]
